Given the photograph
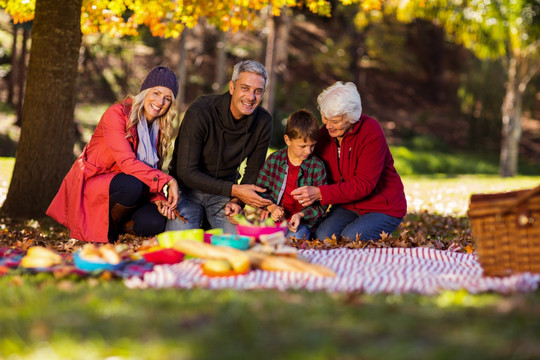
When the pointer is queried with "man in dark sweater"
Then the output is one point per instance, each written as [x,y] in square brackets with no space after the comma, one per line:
[217,133]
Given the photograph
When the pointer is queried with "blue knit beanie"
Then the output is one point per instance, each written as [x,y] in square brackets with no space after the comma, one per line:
[161,76]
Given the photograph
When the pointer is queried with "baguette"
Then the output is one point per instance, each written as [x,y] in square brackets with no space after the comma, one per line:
[279,263]
[237,258]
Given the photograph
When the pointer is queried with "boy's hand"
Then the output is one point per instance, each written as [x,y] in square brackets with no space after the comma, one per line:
[295,221]
[276,212]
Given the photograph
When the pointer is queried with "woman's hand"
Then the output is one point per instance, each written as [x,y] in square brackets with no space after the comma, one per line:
[165,210]
[306,195]
[173,194]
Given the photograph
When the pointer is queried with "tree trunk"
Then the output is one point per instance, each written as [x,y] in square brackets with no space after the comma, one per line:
[12,80]
[21,79]
[511,122]
[268,100]
[45,150]
[221,63]
[182,73]
[276,56]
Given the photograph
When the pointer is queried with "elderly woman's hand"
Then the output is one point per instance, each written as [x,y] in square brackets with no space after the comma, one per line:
[306,195]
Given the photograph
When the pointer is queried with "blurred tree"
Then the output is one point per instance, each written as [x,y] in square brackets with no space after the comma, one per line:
[12,75]
[45,151]
[505,29]
[276,56]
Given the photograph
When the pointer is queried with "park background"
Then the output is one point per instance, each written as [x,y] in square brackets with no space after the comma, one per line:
[439,100]
[441,78]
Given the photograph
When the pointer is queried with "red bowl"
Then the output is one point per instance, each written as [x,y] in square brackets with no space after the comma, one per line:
[256,231]
[164,256]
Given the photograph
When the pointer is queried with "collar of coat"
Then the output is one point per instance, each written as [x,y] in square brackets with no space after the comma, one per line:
[282,160]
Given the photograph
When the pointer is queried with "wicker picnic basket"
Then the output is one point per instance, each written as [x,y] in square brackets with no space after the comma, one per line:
[506,230]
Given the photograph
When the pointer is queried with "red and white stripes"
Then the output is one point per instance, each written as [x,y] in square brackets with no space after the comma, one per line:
[386,270]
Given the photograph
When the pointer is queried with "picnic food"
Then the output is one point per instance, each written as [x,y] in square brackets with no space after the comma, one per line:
[218,267]
[281,263]
[238,259]
[242,219]
[40,257]
[241,261]
[109,254]
[105,253]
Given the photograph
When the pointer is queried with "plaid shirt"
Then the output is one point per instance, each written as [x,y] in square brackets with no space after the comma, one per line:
[273,177]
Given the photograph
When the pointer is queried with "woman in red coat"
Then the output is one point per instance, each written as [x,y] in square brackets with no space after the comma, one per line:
[364,188]
[115,185]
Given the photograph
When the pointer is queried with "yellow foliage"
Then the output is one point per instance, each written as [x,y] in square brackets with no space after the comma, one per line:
[167,18]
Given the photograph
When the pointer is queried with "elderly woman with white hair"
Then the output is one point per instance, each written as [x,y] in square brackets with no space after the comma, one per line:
[364,188]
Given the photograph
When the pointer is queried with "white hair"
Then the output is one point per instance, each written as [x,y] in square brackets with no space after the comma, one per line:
[340,99]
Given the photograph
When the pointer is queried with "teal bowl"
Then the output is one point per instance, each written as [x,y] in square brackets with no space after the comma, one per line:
[235,241]
[86,265]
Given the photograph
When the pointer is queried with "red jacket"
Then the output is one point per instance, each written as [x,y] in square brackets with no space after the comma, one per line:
[364,179]
[82,203]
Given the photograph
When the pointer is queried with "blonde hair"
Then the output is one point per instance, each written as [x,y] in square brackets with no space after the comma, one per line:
[165,123]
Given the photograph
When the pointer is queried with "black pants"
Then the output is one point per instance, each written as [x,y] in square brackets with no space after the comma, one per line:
[129,191]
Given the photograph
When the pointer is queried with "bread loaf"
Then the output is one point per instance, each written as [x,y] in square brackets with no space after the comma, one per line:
[280,263]
[237,258]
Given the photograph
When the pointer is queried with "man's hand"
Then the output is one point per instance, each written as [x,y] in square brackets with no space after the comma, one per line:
[306,195]
[232,208]
[248,195]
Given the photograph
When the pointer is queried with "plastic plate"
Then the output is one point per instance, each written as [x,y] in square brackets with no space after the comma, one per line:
[86,265]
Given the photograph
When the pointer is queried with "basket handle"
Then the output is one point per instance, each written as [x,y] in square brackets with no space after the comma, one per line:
[520,200]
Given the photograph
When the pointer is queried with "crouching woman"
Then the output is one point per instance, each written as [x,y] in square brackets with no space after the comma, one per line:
[115,185]
[364,188]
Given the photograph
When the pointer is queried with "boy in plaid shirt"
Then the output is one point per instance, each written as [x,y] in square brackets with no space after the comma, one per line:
[292,167]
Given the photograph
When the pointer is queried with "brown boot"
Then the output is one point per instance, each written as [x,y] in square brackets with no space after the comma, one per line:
[128,227]
[118,215]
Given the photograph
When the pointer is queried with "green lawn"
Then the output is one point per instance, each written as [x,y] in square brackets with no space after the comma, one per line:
[45,317]
[42,318]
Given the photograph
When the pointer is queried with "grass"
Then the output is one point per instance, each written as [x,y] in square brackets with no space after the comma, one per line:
[45,317]
[98,319]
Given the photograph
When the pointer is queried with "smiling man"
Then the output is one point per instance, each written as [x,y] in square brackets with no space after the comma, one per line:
[217,134]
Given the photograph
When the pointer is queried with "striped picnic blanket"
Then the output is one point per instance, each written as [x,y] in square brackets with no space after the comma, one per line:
[384,270]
